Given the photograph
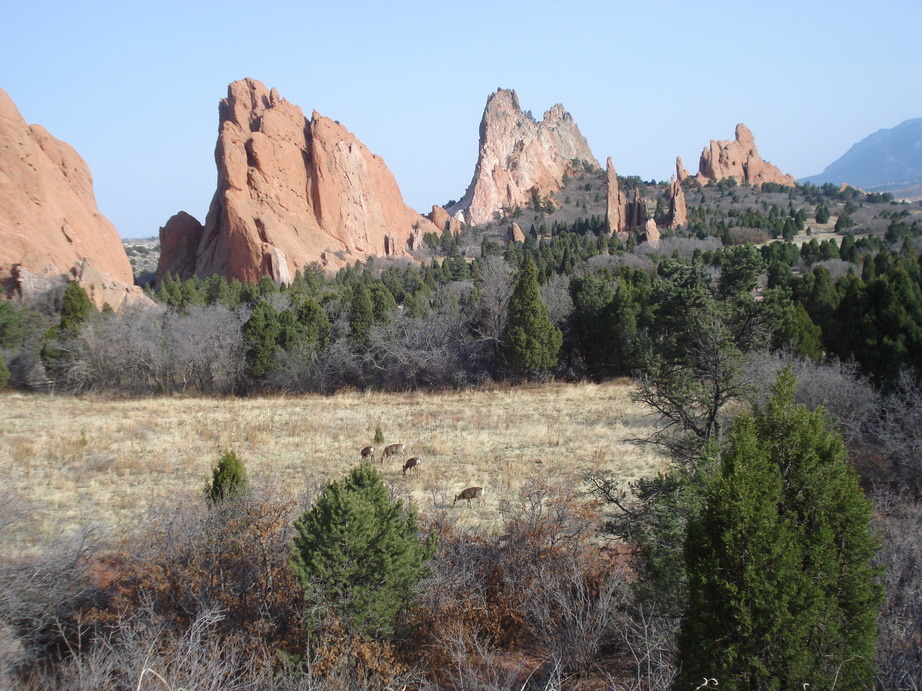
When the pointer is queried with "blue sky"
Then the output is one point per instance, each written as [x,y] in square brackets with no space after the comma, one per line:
[134,86]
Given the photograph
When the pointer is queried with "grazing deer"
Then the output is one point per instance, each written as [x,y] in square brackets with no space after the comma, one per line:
[469,493]
[368,451]
[411,464]
[391,450]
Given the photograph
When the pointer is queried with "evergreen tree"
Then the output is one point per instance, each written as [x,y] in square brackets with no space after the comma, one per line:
[782,589]
[358,554]
[362,311]
[530,341]
[228,478]
[262,332]
[76,307]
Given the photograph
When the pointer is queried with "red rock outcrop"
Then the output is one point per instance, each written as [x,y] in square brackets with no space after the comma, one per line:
[740,160]
[442,220]
[652,233]
[678,211]
[179,241]
[680,171]
[519,158]
[636,213]
[516,234]
[49,221]
[616,204]
[292,191]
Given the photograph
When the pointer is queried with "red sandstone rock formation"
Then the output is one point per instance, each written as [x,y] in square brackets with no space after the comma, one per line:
[680,171]
[652,232]
[179,241]
[291,191]
[49,223]
[739,159]
[519,158]
[515,233]
[442,220]
[678,211]
[616,207]
[636,213]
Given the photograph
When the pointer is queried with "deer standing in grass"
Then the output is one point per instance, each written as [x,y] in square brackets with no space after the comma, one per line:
[392,450]
[368,451]
[411,464]
[469,493]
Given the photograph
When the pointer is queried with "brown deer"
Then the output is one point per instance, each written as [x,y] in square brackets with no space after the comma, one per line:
[411,464]
[391,450]
[368,451]
[469,493]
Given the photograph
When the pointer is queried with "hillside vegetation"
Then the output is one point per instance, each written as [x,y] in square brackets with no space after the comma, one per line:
[184,504]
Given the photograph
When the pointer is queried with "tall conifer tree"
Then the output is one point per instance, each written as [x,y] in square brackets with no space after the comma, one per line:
[531,341]
[782,589]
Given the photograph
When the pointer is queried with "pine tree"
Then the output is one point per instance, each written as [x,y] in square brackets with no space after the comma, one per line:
[782,589]
[531,341]
[358,553]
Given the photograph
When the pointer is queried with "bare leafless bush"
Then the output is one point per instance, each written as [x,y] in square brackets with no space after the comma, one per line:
[154,351]
[41,597]
[849,398]
[900,429]
[337,366]
[197,557]
[742,236]
[431,352]
[555,294]
[899,650]
[837,267]
[650,639]
[539,588]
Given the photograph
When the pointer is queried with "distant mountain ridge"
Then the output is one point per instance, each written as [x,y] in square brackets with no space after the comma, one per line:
[888,160]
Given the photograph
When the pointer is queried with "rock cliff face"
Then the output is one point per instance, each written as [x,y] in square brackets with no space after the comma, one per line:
[739,159]
[49,223]
[291,191]
[519,157]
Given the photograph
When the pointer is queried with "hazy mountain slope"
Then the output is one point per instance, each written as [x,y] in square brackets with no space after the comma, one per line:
[889,159]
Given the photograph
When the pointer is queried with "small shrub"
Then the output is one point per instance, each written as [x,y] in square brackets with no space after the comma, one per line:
[379,435]
[228,479]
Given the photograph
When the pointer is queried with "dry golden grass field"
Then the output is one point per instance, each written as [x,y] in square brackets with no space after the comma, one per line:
[102,461]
